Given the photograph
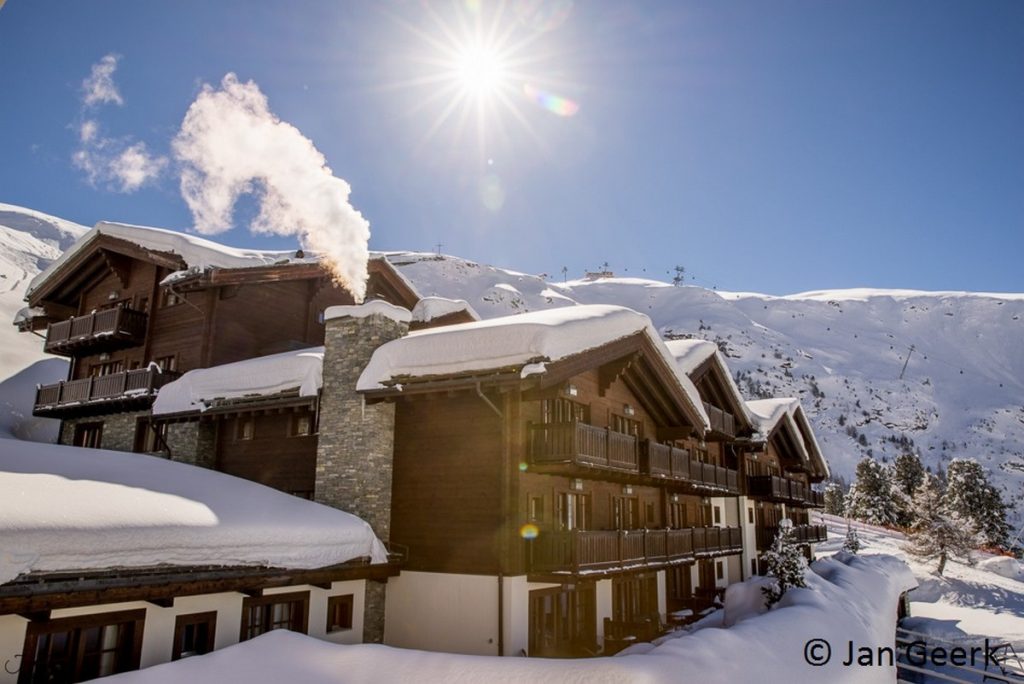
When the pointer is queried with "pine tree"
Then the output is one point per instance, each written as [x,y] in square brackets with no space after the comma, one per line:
[973,498]
[835,499]
[870,497]
[939,532]
[852,542]
[907,475]
[785,563]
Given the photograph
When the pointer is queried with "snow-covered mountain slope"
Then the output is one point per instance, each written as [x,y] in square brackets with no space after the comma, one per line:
[29,241]
[842,352]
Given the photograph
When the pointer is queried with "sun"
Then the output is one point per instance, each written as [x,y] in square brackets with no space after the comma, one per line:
[480,70]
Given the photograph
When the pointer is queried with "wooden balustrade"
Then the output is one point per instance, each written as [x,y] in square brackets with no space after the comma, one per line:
[582,444]
[80,397]
[603,549]
[802,534]
[721,422]
[103,330]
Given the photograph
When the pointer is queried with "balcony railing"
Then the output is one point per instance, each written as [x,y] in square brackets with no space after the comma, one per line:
[722,422]
[584,445]
[672,463]
[578,550]
[814,499]
[114,392]
[781,490]
[802,534]
[101,331]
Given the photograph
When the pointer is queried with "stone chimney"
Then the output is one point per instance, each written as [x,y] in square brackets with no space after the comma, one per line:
[356,441]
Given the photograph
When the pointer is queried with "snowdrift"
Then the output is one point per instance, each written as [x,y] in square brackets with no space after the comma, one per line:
[848,598]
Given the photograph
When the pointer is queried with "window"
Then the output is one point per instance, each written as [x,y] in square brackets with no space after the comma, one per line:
[650,519]
[194,634]
[562,621]
[84,647]
[753,566]
[277,611]
[244,429]
[99,370]
[339,613]
[169,298]
[535,509]
[626,426]
[166,363]
[750,516]
[718,514]
[719,570]
[634,598]
[150,437]
[625,513]
[300,425]
[573,511]
[89,435]
[564,411]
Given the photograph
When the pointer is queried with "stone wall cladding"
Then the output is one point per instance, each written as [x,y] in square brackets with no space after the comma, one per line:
[355,449]
[189,442]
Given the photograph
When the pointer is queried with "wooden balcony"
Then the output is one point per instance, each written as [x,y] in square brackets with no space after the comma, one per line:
[723,423]
[779,490]
[804,534]
[583,446]
[814,499]
[98,332]
[128,390]
[591,550]
[673,464]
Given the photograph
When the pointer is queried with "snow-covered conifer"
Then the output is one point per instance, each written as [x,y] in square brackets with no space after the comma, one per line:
[907,475]
[785,563]
[835,499]
[972,497]
[938,532]
[852,542]
[870,497]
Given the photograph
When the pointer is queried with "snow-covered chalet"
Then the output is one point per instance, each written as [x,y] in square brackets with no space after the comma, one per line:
[560,482]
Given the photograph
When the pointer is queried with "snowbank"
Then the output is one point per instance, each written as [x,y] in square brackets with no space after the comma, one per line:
[847,598]
[1004,566]
[65,508]
[17,399]
[510,341]
[262,376]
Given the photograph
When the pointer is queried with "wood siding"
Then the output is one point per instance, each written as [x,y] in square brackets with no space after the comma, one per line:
[271,456]
[446,500]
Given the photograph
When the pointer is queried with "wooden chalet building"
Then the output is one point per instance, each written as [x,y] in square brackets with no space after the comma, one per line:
[559,482]
[780,471]
[128,326]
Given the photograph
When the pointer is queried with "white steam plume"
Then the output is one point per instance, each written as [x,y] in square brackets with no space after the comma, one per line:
[230,143]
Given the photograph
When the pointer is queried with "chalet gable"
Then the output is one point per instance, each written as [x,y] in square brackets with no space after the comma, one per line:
[783,423]
[704,364]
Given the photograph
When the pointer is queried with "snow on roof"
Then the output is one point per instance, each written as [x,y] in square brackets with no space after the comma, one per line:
[768,413]
[195,251]
[429,308]
[66,508]
[848,599]
[262,376]
[529,338]
[690,354]
[373,307]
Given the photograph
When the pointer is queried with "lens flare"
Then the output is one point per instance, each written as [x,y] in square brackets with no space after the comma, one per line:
[523,466]
[562,106]
[529,531]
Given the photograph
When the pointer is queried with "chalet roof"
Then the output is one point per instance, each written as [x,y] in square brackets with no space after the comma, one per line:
[432,308]
[193,258]
[70,509]
[693,356]
[299,372]
[528,344]
[771,414]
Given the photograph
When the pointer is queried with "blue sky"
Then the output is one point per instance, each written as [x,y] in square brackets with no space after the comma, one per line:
[776,147]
